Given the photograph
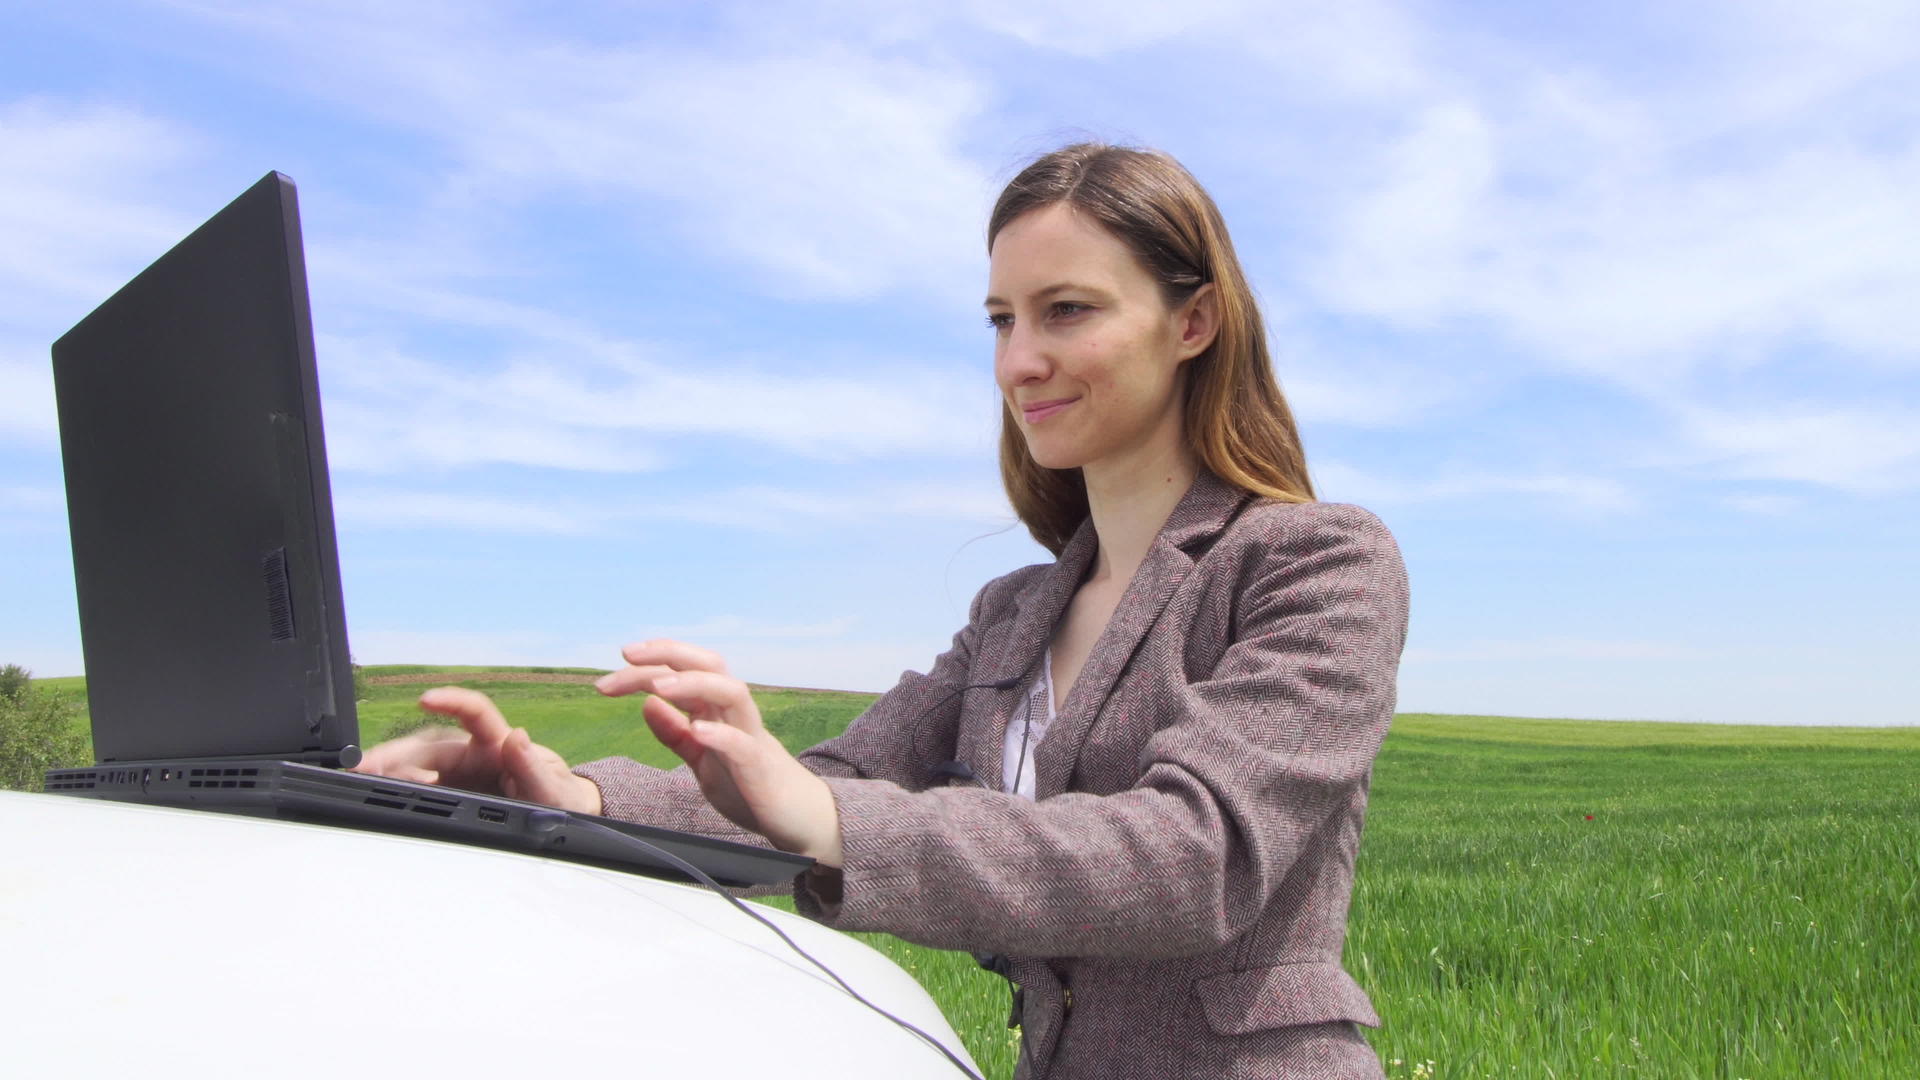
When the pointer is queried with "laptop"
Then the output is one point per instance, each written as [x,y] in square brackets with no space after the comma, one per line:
[208,581]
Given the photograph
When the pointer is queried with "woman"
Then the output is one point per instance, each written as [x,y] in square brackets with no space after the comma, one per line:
[1177,717]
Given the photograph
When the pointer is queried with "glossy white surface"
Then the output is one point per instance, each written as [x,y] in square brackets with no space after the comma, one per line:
[149,941]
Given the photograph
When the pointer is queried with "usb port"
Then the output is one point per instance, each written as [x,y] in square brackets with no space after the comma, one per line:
[492,814]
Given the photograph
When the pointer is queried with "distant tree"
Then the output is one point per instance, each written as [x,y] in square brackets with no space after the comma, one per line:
[37,731]
[15,681]
[359,679]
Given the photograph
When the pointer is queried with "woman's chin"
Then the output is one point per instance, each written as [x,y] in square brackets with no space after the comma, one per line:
[1049,458]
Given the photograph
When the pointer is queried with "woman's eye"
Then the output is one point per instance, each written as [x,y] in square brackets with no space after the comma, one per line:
[1000,320]
[1068,307]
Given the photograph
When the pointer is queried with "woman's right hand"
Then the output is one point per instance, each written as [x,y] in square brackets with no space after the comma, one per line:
[483,754]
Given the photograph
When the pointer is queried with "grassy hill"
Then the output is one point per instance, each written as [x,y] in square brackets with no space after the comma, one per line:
[1536,898]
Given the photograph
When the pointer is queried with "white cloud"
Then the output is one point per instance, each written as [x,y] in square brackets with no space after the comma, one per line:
[1757,211]
[757,509]
[77,203]
[1780,61]
[357,510]
[1360,386]
[1573,493]
[828,171]
[1860,449]
[1122,26]
[780,510]
[79,214]
[552,406]
[1634,269]
[27,411]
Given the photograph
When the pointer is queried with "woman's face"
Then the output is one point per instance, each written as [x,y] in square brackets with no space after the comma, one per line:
[1087,354]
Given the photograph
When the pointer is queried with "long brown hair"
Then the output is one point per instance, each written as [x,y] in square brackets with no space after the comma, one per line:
[1237,422]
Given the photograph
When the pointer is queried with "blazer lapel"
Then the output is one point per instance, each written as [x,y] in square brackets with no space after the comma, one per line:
[1037,610]
[1200,515]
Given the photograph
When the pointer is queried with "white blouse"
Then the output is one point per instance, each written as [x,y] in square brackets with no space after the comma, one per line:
[1030,726]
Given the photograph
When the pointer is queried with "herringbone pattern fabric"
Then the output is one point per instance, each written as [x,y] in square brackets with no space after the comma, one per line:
[1186,864]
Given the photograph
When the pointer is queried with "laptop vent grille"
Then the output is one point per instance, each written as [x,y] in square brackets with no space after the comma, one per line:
[395,799]
[222,778]
[279,595]
[82,781]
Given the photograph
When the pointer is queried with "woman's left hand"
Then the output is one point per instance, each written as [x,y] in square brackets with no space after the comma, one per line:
[709,718]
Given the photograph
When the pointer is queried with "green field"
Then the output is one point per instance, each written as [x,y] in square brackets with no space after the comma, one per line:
[1537,898]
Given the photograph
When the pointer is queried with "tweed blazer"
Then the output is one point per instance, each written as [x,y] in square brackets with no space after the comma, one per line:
[1174,898]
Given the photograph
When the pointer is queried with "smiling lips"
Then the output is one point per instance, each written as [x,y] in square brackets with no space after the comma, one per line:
[1036,411]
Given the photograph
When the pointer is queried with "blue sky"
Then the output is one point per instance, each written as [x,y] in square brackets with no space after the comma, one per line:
[653,319]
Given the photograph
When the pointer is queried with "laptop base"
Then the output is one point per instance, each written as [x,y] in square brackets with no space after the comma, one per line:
[295,791]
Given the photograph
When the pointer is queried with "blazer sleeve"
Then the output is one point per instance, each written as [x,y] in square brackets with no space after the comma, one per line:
[1245,767]
[895,740]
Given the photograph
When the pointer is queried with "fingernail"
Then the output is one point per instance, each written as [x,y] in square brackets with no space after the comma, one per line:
[601,682]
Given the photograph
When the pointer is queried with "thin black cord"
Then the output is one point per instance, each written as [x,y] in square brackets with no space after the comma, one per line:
[993,962]
[958,769]
[688,868]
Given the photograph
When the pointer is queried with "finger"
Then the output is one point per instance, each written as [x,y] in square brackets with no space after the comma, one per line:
[432,748]
[396,768]
[631,680]
[736,747]
[703,694]
[533,772]
[474,710]
[674,654]
[672,728]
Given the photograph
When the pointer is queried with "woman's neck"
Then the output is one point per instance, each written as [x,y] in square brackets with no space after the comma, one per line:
[1129,503]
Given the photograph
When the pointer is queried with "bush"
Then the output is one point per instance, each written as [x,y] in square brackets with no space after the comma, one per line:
[407,725]
[37,732]
[360,690]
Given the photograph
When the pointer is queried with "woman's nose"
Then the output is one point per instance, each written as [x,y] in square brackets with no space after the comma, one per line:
[1020,358]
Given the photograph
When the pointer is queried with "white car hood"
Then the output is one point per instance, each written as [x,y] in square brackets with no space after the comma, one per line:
[150,941]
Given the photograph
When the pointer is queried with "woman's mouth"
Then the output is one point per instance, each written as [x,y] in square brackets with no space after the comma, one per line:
[1037,411]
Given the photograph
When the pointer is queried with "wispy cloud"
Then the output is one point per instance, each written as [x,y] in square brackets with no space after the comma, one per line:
[1862,449]
[782,510]
[79,213]
[1627,266]
[27,406]
[390,411]
[78,201]
[825,171]
[358,509]
[754,509]
[1572,493]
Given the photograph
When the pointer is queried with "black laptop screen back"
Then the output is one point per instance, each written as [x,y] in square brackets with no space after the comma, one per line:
[197,496]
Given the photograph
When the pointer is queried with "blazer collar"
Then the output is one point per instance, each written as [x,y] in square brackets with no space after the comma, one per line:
[1200,516]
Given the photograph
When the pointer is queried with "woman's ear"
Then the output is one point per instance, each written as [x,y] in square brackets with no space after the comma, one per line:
[1198,320]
